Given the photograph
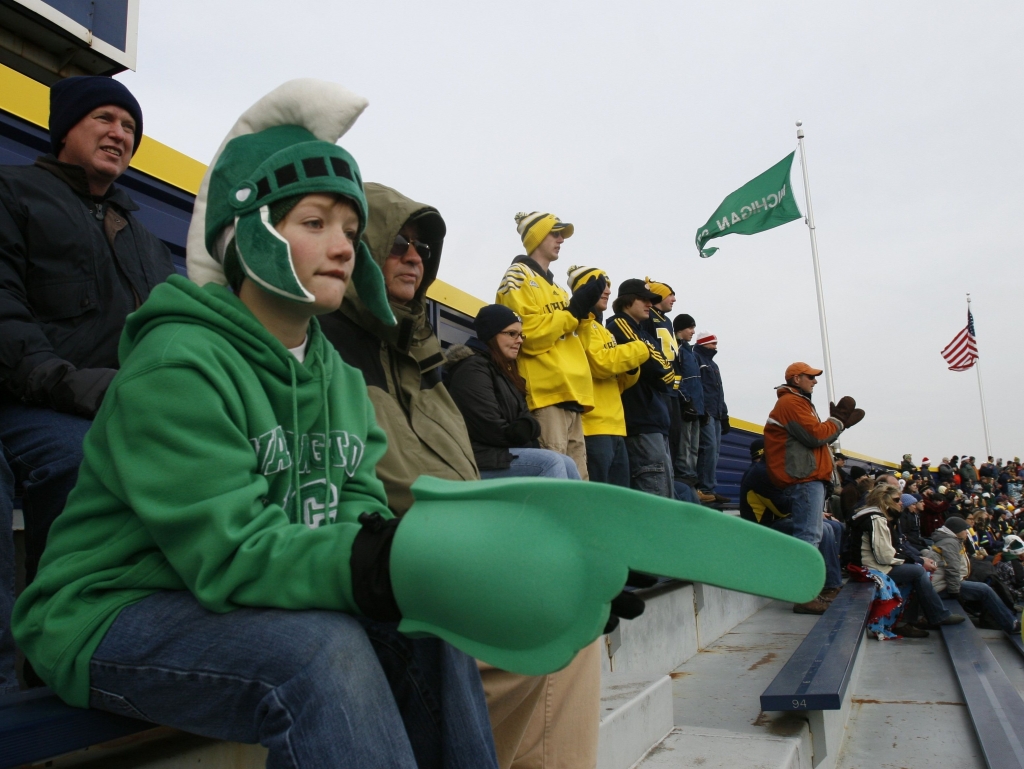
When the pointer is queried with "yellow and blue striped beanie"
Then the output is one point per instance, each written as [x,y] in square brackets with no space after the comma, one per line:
[535,226]
[664,290]
[580,276]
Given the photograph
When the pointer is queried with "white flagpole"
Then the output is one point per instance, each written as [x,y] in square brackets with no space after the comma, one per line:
[817,270]
[981,390]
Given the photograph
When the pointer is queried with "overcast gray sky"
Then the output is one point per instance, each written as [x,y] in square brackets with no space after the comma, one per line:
[634,120]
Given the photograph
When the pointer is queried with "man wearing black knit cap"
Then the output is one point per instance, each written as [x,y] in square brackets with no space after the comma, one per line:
[74,263]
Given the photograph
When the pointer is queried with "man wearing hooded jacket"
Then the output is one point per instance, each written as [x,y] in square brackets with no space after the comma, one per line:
[538,721]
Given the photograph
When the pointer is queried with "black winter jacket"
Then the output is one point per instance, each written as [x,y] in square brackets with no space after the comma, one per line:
[495,411]
[72,268]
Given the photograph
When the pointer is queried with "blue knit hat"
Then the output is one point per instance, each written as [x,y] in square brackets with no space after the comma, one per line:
[73,98]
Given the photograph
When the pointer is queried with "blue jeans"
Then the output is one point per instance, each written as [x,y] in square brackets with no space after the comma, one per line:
[536,463]
[831,535]
[316,688]
[808,500]
[990,602]
[913,582]
[44,449]
[707,455]
[607,460]
[650,464]
[8,676]
[685,492]
[684,463]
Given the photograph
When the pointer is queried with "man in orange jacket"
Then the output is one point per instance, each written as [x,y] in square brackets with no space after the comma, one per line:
[796,445]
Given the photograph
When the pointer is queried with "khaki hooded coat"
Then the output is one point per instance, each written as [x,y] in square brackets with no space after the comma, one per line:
[402,364]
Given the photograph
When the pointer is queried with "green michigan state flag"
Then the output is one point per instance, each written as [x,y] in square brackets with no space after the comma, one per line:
[764,202]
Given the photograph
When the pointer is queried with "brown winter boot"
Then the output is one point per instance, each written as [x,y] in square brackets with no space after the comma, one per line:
[817,606]
[829,594]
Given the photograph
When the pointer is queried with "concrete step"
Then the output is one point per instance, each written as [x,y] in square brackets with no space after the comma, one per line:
[707,748]
[680,619]
[636,713]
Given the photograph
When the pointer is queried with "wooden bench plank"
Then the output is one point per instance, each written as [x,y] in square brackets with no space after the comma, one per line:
[37,724]
[996,708]
[816,676]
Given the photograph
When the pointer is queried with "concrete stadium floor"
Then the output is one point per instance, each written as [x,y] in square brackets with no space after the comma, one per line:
[907,709]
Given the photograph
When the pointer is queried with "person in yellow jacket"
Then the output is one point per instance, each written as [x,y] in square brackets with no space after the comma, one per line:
[614,367]
[559,388]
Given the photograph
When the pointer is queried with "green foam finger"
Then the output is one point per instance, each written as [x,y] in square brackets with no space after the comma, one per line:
[520,572]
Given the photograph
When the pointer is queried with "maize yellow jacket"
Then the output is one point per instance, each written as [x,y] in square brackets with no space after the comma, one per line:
[610,363]
[551,360]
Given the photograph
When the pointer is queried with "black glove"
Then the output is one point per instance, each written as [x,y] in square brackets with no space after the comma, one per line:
[370,564]
[525,429]
[586,297]
[81,392]
[726,427]
[628,605]
[689,412]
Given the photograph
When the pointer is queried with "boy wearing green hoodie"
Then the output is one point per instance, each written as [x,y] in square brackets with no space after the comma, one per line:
[228,523]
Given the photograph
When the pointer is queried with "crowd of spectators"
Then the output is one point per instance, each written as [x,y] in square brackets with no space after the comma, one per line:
[932,540]
[548,387]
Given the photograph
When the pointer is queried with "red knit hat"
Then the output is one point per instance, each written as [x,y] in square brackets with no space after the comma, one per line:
[706,337]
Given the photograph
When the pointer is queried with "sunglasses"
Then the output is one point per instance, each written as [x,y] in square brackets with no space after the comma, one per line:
[514,335]
[401,247]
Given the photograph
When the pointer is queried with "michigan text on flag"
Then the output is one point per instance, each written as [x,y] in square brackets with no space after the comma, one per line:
[761,204]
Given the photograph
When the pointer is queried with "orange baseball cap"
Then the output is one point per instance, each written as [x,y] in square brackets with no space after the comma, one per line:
[800,368]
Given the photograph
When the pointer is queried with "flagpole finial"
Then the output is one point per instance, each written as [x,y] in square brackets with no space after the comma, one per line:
[799,130]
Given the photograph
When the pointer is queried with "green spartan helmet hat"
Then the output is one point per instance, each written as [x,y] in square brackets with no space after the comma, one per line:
[279,150]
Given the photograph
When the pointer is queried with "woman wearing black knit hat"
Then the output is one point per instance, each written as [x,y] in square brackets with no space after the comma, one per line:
[485,384]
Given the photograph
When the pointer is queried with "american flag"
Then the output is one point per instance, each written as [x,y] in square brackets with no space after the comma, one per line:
[962,352]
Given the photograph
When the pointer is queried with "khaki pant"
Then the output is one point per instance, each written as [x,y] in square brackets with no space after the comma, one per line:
[546,722]
[561,430]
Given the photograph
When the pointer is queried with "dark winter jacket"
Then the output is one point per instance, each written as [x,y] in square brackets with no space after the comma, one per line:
[688,369]
[660,328]
[402,364]
[910,525]
[644,404]
[72,267]
[711,381]
[495,411]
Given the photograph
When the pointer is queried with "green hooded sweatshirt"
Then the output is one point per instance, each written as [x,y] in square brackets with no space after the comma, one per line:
[189,481]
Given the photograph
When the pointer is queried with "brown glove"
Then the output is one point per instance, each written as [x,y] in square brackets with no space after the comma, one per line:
[846,411]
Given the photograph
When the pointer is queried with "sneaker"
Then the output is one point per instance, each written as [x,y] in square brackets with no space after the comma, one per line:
[830,594]
[704,497]
[953,619]
[817,606]
[1016,627]
[909,631]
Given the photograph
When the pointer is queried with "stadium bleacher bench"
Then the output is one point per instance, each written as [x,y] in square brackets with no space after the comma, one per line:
[37,725]
[995,707]
[818,675]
